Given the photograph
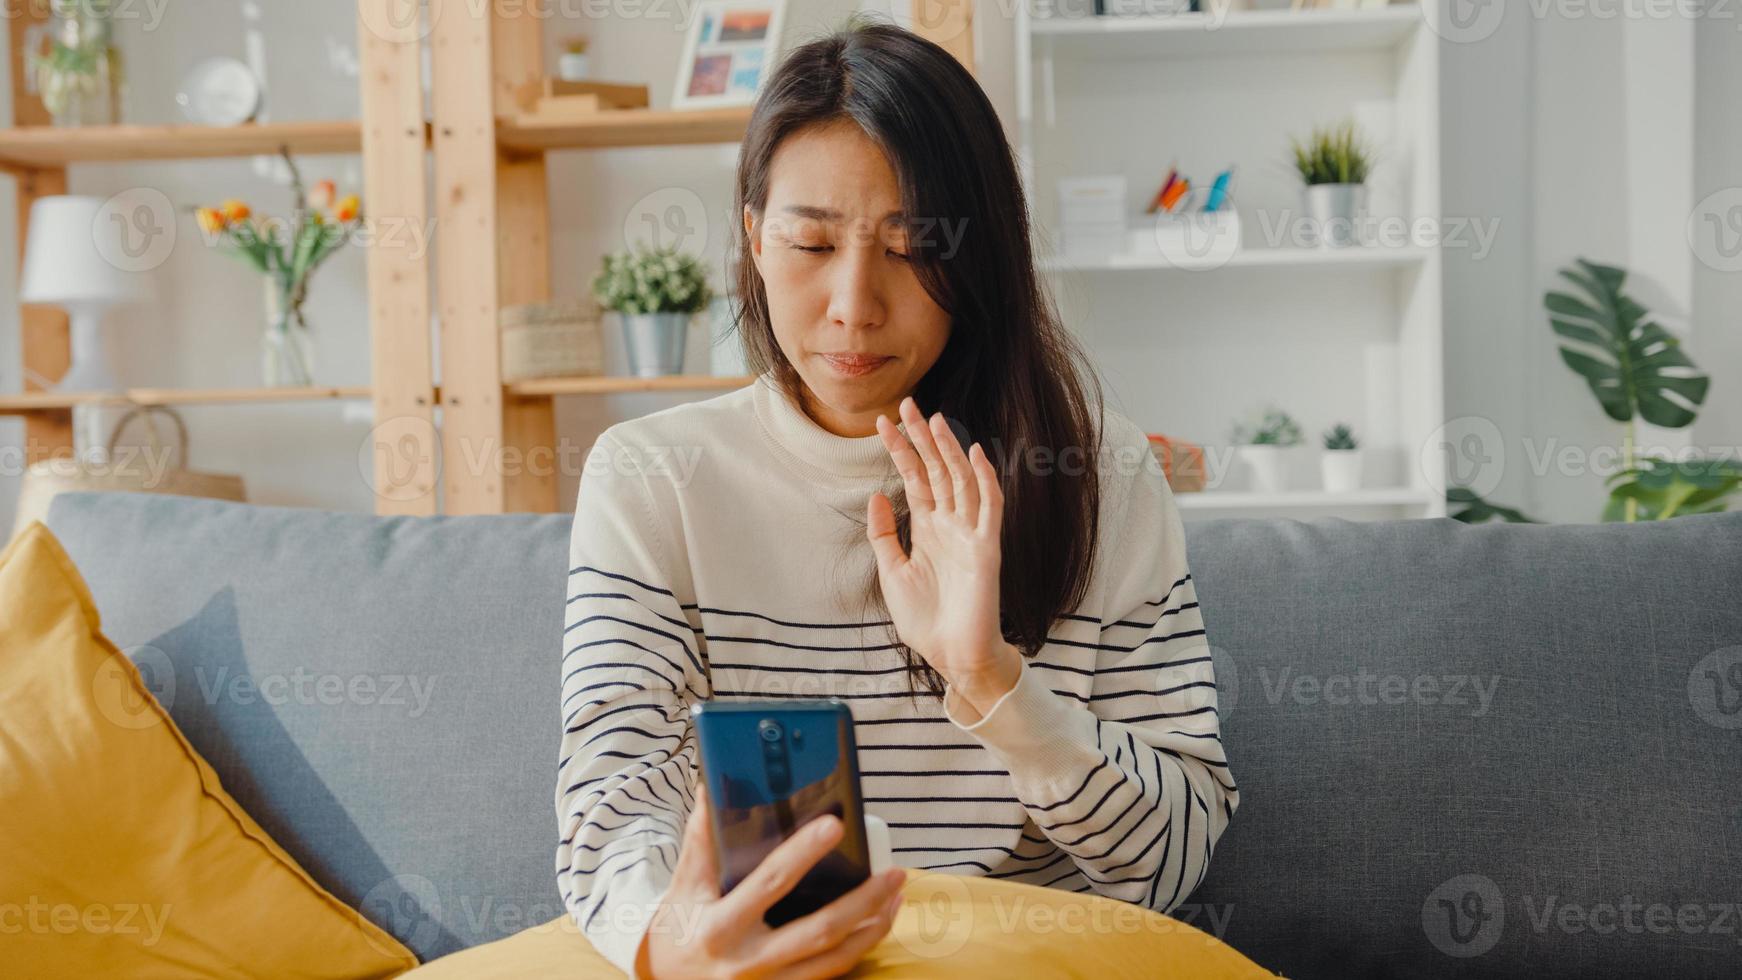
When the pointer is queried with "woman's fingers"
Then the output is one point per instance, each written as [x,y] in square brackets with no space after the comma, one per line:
[991,517]
[698,870]
[769,881]
[880,529]
[849,951]
[937,476]
[824,929]
[962,476]
[908,463]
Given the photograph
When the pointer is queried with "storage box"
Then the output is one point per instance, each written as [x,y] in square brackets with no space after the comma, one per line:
[1091,220]
[548,340]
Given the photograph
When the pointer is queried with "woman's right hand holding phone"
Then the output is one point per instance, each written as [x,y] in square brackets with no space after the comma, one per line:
[697,932]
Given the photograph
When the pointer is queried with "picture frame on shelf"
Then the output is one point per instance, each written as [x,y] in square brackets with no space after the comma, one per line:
[730,49]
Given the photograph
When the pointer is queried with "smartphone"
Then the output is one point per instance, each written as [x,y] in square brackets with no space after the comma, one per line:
[771,767]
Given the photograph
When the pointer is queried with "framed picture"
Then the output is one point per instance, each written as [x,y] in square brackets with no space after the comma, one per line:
[731,46]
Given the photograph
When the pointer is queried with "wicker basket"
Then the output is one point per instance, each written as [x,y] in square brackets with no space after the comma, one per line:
[546,340]
[132,474]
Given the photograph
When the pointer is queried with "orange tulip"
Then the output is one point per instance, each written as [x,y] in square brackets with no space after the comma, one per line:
[349,207]
[235,210]
[321,196]
[211,220]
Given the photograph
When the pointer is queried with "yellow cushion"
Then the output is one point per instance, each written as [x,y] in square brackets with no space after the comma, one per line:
[120,853]
[949,926]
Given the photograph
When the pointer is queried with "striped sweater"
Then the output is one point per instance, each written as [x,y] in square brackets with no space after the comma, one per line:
[718,550]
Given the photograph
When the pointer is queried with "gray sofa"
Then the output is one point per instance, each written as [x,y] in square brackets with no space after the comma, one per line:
[1501,750]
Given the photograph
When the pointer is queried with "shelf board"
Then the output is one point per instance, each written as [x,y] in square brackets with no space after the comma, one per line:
[1236,33]
[56,401]
[1317,499]
[1249,258]
[613,385]
[56,146]
[623,127]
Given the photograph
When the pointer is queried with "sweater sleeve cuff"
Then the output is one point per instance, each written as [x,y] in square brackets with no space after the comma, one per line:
[1040,737]
[618,929]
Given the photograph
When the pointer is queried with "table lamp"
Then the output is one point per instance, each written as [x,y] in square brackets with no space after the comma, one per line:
[74,258]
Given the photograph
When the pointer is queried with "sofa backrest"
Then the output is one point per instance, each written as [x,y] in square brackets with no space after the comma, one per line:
[1497,749]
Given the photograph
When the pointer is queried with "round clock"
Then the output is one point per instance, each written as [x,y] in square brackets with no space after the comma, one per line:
[219,92]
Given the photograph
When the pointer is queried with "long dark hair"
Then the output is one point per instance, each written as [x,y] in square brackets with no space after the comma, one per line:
[1010,374]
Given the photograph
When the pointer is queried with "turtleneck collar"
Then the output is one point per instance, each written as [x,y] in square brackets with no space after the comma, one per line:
[811,447]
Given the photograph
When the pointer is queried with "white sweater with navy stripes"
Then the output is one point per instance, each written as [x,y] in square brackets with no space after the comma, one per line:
[718,550]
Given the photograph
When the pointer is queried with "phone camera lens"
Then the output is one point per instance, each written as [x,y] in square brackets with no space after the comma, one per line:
[770,731]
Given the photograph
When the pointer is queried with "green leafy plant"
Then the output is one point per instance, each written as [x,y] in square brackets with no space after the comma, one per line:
[1340,436]
[1276,429]
[652,280]
[1658,489]
[1478,511]
[1333,155]
[1637,370]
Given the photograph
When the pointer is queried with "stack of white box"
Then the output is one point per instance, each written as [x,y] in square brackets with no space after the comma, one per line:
[1091,217]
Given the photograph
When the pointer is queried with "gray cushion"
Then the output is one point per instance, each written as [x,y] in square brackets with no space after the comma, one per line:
[1593,765]
[423,794]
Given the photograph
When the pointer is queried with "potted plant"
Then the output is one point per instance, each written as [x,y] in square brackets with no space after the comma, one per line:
[1261,449]
[287,252]
[654,291]
[1334,164]
[571,65]
[1637,370]
[1340,463]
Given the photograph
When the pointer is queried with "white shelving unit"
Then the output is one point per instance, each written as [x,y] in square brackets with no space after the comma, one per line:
[1330,335]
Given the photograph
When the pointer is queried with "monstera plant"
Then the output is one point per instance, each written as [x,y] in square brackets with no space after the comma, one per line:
[1637,370]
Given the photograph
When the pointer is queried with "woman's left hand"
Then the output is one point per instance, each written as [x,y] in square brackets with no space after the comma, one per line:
[943,598]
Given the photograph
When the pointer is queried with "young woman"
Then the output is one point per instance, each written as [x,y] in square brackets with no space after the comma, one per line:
[999,589]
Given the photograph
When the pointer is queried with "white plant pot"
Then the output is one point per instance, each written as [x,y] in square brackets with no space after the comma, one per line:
[1332,211]
[1341,469]
[655,342]
[1266,465]
[571,67]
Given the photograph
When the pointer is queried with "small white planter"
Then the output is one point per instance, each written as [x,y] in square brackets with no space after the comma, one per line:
[1341,469]
[571,67]
[1332,211]
[1267,467]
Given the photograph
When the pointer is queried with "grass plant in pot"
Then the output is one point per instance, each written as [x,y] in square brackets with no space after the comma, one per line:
[1333,163]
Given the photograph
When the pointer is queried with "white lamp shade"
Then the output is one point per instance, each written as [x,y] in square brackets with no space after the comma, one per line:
[75,255]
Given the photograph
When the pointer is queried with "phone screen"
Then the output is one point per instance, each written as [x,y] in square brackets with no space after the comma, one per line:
[771,767]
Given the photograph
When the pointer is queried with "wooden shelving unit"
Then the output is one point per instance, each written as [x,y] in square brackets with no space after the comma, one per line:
[490,166]
[490,173]
[393,137]
[38,147]
[624,127]
[610,385]
[53,401]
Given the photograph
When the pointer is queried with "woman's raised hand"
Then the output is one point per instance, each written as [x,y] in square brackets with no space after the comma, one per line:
[943,598]
[697,932]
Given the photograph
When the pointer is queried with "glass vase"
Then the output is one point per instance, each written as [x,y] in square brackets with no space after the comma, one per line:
[78,76]
[286,349]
